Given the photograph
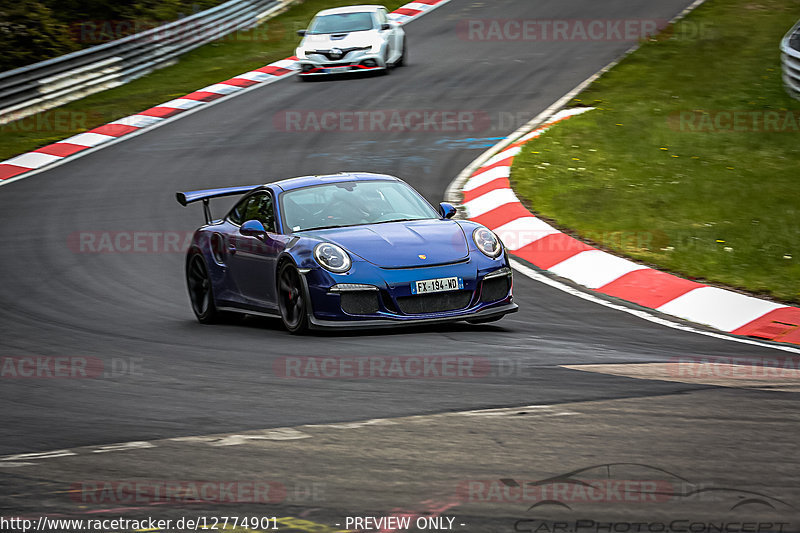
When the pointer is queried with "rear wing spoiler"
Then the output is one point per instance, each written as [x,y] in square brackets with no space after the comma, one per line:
[186,198]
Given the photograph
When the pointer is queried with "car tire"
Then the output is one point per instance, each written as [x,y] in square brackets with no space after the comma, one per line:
[387,67]
[201,290]
[403,61]
[292,299]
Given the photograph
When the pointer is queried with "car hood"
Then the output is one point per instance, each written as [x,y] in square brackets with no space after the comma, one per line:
[402,244]
[327,41]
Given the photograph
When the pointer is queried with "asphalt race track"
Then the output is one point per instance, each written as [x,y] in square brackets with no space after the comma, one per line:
[194,380]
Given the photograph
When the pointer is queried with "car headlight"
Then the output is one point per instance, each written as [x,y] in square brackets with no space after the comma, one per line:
[332,257]
[487,242]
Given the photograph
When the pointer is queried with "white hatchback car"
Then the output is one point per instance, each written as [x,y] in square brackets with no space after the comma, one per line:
[351,39]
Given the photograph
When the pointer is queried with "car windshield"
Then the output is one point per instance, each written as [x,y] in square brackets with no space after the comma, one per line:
[341,23]
[352,203]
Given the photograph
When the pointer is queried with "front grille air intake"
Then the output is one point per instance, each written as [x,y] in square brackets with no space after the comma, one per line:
[360,302]
[434,303]
[495,289]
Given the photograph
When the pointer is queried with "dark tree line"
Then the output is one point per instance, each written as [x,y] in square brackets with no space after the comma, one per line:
[34,30]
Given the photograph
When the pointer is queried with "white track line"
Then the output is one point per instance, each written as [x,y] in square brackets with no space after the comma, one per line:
[536,276]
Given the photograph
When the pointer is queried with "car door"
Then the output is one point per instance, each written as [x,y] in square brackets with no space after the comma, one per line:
[388,36]
[395,35]
[251,259]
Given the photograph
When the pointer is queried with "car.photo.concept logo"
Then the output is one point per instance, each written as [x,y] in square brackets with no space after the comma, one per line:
[570,502]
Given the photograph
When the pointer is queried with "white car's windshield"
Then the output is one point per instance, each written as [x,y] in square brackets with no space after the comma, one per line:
[342,23]
[352,203]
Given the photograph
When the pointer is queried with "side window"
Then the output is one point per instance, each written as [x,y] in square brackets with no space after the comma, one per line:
[382,17]
[237,212]
[259,207]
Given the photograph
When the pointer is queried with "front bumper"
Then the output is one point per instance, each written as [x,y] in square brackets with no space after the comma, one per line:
[316,65]
[484,314]
[388,301]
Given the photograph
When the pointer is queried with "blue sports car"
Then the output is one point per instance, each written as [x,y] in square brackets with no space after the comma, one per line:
[342,251]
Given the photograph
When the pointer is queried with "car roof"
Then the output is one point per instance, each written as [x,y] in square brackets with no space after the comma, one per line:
[349,9]
[307,181]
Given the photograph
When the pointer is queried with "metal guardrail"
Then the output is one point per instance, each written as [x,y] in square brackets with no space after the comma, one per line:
[47,84]
[790,57]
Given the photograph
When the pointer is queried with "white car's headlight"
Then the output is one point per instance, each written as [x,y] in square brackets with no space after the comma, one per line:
[487,242]
[332,257]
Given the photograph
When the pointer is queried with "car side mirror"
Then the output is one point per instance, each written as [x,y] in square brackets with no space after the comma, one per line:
[447,210]
[386,26]
[253,228]
[301,33]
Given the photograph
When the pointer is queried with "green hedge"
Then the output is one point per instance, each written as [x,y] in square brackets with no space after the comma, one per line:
[35,30]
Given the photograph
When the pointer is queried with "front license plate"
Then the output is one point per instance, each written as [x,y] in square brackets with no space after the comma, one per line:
[436,285]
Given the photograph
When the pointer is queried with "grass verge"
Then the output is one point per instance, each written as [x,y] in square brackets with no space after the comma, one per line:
[218,61]
[691,160]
